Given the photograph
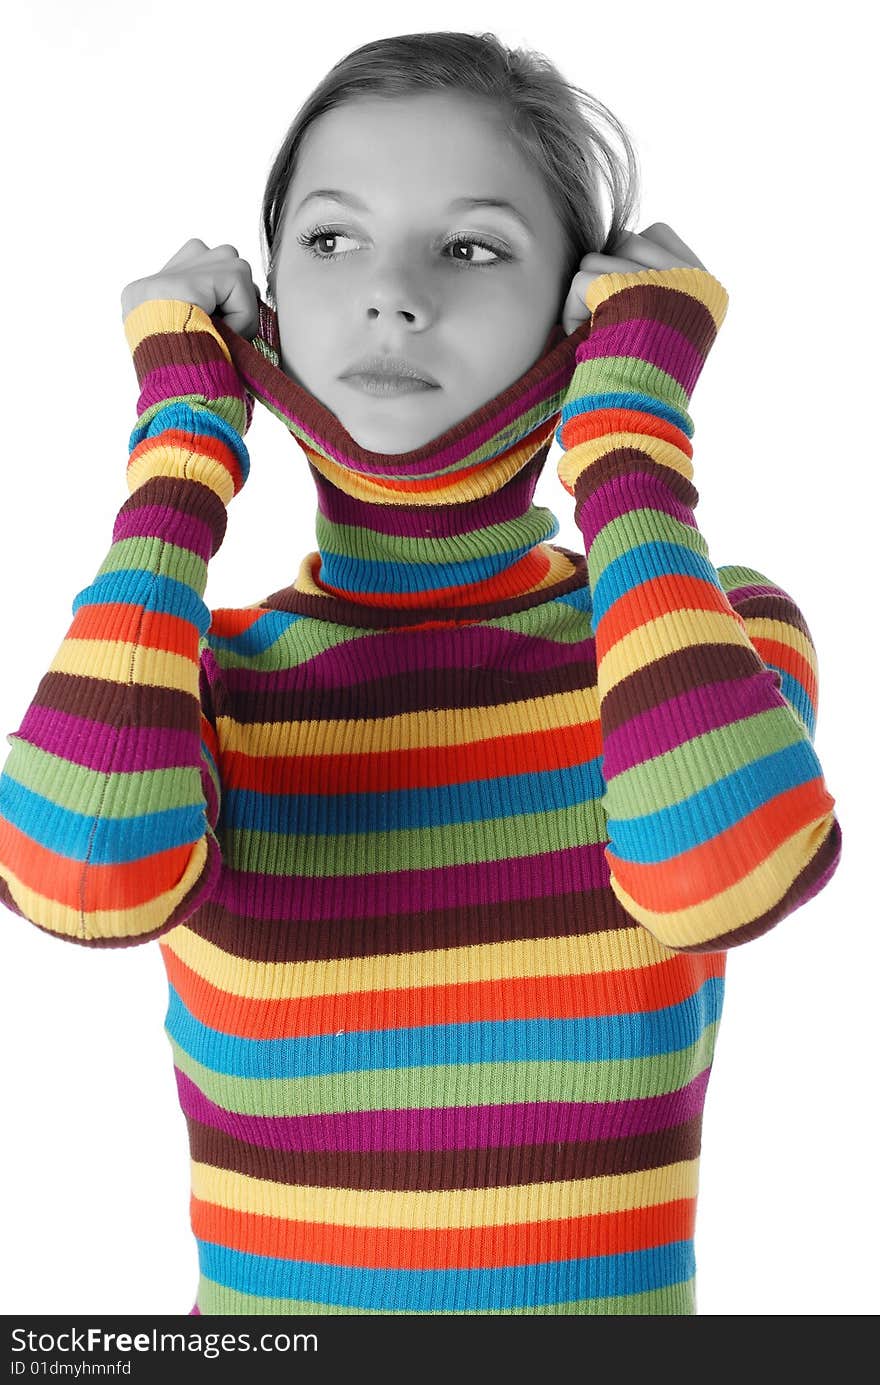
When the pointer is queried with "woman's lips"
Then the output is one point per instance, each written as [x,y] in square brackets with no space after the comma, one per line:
[387,384]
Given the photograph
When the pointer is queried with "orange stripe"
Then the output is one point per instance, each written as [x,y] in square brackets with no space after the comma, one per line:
[418,767]
[118,621]
[670,593]
[639,989]
[470,1247]
[788,660]
[706,870]
[203,443]
[595,423]
[529,571]
[113,887]
[227,621]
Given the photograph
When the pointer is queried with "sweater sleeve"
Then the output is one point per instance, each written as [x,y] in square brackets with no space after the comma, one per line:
[110,793]
[719,821]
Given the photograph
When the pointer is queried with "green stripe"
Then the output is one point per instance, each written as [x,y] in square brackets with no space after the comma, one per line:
[678,774]
[627,375]
[429,549]
[227,406]
[477,1084]
[116,796]
[640,526]
[675,1299]
[157,556]
[349,855]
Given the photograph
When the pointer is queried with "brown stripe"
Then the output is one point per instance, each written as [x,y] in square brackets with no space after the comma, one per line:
[673,674]
[627,462]
[500,1166]
[565,915]
[118,704]
[673,306]
[780,608]
[394,694]
[339,611]
[188,496]
[790,901]
[182,348]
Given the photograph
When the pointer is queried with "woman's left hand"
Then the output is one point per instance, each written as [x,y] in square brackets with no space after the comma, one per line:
[657,247]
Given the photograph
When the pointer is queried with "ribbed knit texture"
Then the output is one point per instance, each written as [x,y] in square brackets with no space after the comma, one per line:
[445,842]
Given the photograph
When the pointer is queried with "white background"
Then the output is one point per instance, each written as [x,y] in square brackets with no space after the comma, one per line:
[128,129]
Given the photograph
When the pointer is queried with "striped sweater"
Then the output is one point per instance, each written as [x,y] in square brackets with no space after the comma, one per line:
[444,843]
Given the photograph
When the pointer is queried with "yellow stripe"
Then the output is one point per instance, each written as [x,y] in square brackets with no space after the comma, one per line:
[409,730]
[163,459]
[585,454]
[698,283]
[761,628]
[687,629]
[119,661]
[106,923]
[159,315]
[748,899]
[458,1207]
[489,477]
[614,950]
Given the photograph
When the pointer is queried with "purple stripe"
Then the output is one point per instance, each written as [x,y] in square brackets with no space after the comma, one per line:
[671,723]
[511,502]
[620,495]
[213,379]
[451,1127]
[467,647]
[648,339]
[98,746]
[254,895]
[168,523]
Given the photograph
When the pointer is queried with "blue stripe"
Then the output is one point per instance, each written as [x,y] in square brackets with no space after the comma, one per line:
[643,563]
[257,638]
[793,689]
[141,588]
[479,800]
[103,841]
[598,1039]
[701,816]
[626,399]
[369,575]
[191,418]
[453,1290]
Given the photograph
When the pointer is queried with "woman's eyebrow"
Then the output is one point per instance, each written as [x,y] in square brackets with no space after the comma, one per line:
[459,204]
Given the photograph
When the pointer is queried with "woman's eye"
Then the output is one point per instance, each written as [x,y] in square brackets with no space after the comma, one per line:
[314,242]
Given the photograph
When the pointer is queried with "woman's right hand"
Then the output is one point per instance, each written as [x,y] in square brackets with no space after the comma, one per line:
[218,281]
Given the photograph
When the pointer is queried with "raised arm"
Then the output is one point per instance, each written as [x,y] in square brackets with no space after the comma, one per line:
[111,792]
[719,820]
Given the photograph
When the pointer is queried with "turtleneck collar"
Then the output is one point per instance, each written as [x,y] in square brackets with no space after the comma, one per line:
[441,535]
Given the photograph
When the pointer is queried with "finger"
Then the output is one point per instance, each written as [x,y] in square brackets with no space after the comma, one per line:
[574,307]
[237,300]
[665,236]
[650,254]
[187,252]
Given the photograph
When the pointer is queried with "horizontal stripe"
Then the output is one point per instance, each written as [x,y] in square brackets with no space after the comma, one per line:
[476,1083]
[672,1299]
[481,799]
[462,1127]
[427,1290]
[479,1248]
[577,1040]
[448,1206]
[431,958]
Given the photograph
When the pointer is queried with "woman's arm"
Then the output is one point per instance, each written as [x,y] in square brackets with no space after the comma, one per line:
[111,791]
[719,820]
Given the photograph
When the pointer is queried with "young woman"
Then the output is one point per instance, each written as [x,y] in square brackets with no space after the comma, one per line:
[446,842]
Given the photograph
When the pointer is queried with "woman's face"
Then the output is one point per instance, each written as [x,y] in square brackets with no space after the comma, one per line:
[393,268]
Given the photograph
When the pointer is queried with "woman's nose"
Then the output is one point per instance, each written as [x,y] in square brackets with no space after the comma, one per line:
[395,296]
